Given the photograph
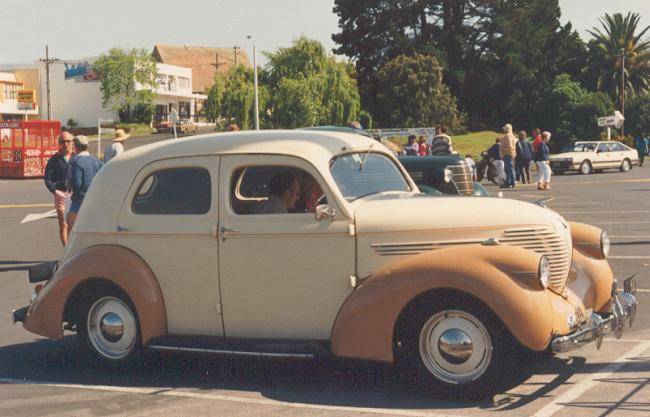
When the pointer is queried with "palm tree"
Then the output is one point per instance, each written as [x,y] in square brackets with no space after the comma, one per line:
[617,39]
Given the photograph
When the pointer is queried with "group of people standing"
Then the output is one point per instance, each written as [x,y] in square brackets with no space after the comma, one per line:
[512,158]
[440,144]
[69,173]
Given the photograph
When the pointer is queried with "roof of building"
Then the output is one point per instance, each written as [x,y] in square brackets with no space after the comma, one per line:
[203,61]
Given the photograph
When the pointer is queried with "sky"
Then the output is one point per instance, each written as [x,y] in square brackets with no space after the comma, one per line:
[76,29]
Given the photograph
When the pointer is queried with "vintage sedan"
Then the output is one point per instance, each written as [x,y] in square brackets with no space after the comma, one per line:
[307,243]
[590,157]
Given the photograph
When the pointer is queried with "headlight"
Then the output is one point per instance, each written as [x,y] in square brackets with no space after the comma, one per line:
[448,175]
[544,272]
[604,243]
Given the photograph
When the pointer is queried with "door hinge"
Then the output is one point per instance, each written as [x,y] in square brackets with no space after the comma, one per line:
[352,231]
[353,281]
[219,309]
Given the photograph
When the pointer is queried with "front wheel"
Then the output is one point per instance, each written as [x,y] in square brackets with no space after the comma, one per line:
[110,329]
[585,168]
[461,347]
[626,165]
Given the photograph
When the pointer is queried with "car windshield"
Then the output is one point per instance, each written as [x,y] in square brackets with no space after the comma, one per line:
[361,174]
[580,147]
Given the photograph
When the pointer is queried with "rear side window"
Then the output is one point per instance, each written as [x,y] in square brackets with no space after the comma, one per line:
[174,191]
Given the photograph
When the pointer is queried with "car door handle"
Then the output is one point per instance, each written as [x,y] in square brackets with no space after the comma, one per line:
[225,231]
[121,228]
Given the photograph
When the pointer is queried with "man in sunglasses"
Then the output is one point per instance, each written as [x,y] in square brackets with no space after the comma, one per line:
[56,172]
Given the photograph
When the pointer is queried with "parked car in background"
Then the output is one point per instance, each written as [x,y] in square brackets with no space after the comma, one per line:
[205,245]
[449,174]
[183,127]
[589,157]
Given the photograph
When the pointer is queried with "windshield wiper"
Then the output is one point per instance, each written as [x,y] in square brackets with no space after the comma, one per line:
[365,156]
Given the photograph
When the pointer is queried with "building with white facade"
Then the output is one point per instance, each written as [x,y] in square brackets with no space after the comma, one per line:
[75,92]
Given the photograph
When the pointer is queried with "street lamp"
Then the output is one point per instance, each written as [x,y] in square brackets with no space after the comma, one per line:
[257,111]
[622,54]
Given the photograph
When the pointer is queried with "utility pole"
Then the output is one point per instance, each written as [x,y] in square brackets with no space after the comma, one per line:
[235,48]
[48,61]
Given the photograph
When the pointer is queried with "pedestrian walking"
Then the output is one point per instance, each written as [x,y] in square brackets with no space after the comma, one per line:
[441,143]
[56,172]
[82,170]
[524,156]
[537,139]
[116,147]
[411,148]
[495,154]
[508,151]
[641,145]
[423,147]
[543,168]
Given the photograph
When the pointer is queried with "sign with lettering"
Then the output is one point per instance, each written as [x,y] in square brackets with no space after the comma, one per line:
[26,96]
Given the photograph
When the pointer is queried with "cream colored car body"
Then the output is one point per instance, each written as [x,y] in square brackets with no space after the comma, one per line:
[602,157]
[299,277]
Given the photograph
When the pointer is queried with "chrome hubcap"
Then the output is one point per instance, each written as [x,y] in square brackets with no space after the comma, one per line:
[585,168]
[455,346]
[112,328]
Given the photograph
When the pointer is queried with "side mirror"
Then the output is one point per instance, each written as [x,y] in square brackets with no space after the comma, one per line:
[324,211]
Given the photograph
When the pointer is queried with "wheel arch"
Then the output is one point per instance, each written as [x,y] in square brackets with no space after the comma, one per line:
[104,265]
[366,324]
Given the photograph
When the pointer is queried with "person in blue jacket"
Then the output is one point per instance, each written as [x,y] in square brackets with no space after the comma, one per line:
[524,156]
[83,168]
[641,145]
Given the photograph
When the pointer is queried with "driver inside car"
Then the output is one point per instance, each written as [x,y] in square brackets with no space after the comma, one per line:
[309,195]
[284,189]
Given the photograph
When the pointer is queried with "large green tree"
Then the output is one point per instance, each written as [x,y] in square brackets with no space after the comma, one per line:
[619,36]
[500,57]
[127,80]
[309,88]
[412,94]
[637,115]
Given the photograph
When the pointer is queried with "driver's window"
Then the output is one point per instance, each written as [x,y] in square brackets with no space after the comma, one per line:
[603,147]
[266,189]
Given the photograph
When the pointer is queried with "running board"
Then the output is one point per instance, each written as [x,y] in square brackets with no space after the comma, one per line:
[241,347]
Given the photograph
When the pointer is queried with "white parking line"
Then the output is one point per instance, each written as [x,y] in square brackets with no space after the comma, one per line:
[628,257]
[170,392]
[607,212]
[590,381]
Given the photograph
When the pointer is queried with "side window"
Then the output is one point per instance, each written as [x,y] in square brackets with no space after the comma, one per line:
[603,147]
[174,191]
[274,190]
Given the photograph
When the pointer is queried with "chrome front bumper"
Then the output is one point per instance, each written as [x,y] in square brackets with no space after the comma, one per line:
[597,326]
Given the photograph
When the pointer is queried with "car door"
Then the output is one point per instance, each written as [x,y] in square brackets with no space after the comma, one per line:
[283,275]
[168,219]
[603,157]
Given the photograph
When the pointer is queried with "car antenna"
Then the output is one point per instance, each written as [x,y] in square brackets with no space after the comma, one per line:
[363,160]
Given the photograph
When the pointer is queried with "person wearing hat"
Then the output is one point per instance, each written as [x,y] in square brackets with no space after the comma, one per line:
[508,152]
[116,147]
[83,168]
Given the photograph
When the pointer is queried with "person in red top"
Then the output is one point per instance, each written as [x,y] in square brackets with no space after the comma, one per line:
[537,139]
[424,148]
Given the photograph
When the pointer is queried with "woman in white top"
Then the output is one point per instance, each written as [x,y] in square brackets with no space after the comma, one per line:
[116,147]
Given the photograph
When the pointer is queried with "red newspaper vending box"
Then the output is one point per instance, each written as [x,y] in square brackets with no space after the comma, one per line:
[26,146]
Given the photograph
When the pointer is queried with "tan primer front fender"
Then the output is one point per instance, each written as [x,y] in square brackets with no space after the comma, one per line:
[365,325]
[115,264]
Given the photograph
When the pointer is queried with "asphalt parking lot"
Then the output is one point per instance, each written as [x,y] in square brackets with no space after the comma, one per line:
[43,377]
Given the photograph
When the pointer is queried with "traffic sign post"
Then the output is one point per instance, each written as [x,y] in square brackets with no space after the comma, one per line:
[611,121]
[105,126]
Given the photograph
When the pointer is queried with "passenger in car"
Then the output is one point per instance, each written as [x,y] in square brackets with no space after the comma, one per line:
[284,190]
[310,192]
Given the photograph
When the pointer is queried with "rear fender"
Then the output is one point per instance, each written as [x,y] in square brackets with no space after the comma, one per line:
[115,264]
[503,277]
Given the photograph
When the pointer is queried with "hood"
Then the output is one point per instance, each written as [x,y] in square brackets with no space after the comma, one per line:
[417,212]
[572,155]
[391,226]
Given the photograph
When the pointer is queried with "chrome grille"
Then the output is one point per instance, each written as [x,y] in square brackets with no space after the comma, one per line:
[545,241]
[462,178]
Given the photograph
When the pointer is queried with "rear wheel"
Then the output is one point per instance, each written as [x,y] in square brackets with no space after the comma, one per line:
[585,168]
[626,165]
[109,328]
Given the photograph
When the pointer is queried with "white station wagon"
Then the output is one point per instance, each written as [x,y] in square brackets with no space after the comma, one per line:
[590,157]
[305,243]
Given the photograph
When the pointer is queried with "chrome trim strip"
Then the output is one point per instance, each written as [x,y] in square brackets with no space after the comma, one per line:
[231,352]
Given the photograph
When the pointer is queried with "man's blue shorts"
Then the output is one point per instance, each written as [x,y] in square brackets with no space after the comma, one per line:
[74,206]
